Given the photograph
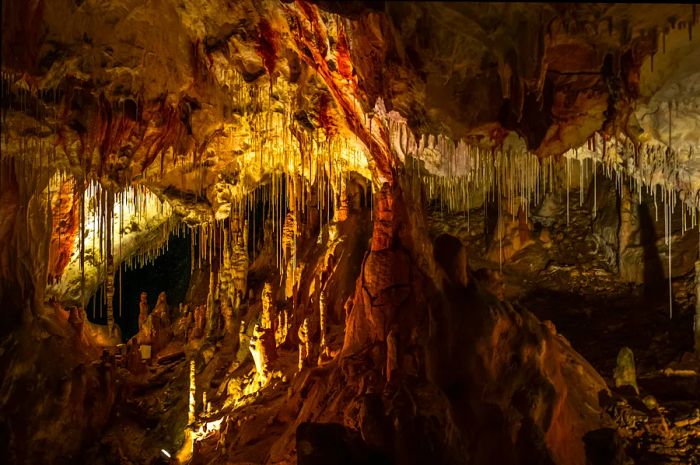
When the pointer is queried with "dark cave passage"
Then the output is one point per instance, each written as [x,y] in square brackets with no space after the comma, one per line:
[169,273]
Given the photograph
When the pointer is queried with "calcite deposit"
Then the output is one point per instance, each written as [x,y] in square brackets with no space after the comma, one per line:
[365,232]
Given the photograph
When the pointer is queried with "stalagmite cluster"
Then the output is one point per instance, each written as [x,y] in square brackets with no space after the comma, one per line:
[304,344]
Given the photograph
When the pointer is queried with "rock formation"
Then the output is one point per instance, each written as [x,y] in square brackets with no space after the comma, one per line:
[262,347]
[625,373]
[390,232]
[143,310]
[304,344]
[266,315]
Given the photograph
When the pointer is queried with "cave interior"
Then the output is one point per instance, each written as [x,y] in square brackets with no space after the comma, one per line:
[349,232]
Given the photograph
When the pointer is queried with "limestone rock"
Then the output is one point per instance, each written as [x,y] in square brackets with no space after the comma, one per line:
[625,374]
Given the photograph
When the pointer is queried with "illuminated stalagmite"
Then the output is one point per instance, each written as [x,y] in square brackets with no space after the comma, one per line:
[266,315]
[282,327]
[304,344]
[262,348]
[324,351]
[239,266]
[191,405]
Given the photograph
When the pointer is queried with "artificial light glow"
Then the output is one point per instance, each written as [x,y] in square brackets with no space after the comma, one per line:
[208,428]
[136,216]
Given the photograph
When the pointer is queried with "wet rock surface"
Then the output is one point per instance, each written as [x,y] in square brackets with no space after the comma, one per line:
[415,233]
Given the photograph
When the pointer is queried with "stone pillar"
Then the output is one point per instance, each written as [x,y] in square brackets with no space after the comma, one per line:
[76,318]
[625,373]
[239,266]
[143,310]
[323,318]
[191,413]
[160,323]
[303,343]
[199,321]
[228,314]
[262,348]
[289,235]
[266,300]
[282,328]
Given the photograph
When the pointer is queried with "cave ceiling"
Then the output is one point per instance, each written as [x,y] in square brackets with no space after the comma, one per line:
[205,100]
[200,103]
[370,182]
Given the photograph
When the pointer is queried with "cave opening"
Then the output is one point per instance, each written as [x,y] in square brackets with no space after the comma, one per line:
[169,272]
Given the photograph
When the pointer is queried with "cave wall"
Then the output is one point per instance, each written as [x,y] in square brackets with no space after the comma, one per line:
[203,102]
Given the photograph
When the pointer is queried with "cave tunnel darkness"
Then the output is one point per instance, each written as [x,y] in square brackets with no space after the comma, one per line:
[169,272]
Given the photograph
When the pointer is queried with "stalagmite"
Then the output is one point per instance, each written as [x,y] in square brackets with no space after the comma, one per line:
[199,321]
[262,348]
[282,328]
[289,238]
[324,350]
[76,318]
[228,313]
[239,266]
[143,310]
[625,373]
[266,301]
[304,344]
[191,412]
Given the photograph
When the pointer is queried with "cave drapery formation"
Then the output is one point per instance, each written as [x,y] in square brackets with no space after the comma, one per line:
[416,232]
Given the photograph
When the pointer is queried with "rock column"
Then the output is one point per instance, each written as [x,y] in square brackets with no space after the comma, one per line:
[191,411]
[303,343]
